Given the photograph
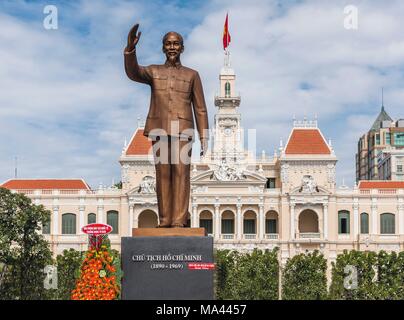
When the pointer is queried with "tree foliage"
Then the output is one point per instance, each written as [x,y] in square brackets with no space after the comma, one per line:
[24,252]
[304,277]
[378,275]
[250,276]
[68,270]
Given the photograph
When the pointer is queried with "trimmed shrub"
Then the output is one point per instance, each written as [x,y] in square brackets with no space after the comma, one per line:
[304,277]
[247,276]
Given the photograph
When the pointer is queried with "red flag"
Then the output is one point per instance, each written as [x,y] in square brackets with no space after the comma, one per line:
[226,34]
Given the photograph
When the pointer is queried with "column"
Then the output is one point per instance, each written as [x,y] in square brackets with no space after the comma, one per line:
[374,218]
[194,216]
[400,208]
[55,219]
[216,222]
[100,214]
[136,217]
[325,220]
[130,219]
[261,222]
[81,218]
[292,221]
[356,218]
[239,231]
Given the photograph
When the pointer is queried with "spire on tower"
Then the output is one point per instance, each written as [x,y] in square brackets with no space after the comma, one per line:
[382,98]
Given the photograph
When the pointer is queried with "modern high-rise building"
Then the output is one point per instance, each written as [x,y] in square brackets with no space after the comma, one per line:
[385,136]
[390,164]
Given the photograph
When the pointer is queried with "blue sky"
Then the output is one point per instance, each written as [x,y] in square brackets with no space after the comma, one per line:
[66,105]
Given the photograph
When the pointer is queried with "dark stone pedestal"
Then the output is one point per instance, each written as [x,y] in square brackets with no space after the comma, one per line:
[167,268]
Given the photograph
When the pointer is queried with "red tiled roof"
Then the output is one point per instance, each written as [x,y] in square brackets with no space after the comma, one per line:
[307,141]
[381,184]
[45,184]
[139,145]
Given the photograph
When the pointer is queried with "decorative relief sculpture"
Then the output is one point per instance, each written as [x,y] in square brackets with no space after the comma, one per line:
[331,173]
[284,173]
[198,189]
[125,175]
[308,185]
[148,185]
[224,172]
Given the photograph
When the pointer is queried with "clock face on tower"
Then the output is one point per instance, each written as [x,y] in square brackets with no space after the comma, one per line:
[227,131]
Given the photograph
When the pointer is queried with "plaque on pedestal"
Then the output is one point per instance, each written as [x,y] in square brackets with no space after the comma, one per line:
[171,267]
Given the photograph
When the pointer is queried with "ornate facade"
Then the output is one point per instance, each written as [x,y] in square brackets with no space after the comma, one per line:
[289,199]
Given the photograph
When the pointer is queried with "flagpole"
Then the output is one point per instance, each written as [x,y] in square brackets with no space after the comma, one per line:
[226,42]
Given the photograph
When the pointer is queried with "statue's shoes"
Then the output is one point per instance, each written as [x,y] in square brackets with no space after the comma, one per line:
[177,225]
[164,226]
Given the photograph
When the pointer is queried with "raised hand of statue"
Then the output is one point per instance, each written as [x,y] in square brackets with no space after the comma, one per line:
[133,38]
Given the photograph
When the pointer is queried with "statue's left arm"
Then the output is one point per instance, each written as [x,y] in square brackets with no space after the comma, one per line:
[200,111]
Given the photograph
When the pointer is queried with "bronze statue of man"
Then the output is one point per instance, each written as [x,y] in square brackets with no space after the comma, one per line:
[176,95]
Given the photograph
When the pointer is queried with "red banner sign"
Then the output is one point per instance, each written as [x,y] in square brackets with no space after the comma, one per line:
[201,266]
[97,229]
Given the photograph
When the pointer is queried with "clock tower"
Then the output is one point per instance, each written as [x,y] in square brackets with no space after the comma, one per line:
[227,132]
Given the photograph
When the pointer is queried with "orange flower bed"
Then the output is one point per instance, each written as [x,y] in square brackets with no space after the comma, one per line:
[98,277]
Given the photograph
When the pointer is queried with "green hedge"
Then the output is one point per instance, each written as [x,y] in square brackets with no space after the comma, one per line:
[379,276]
[249,276]
[304,277]
[68,267]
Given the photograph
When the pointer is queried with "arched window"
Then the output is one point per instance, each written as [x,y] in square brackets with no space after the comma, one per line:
[364,223]
[227,89]
[46,226]
[69,223]
[308,222]
[343,222]
[147,219]
[206,221]
[91,218]
[387,223]
[207,224]
[228,222]
[112,220]
[271,222]
[249,222]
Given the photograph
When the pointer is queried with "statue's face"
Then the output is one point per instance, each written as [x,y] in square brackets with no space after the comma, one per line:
[172,47]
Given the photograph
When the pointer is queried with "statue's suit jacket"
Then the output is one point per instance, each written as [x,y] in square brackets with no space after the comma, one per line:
[173,90]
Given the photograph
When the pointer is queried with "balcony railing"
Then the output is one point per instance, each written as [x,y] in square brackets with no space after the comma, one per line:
[227,236]
[272,236]
[309,235]
[106,191]
[387,191]
[249,236]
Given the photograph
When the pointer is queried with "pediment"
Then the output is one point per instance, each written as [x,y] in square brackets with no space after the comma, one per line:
[247,177]
[317,190]
[133,191]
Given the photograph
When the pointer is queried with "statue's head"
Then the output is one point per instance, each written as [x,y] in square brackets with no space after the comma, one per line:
[173,46]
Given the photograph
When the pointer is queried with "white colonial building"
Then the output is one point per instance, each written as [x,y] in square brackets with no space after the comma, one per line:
[289,200]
